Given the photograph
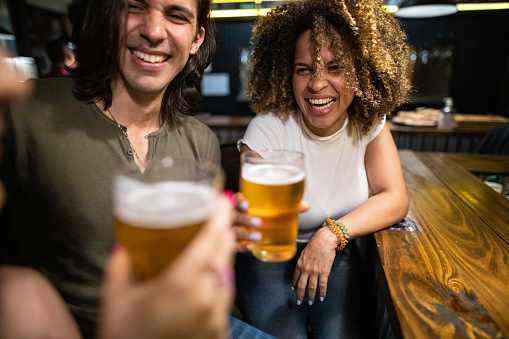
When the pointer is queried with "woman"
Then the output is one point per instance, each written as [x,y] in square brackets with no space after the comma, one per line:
[325,75]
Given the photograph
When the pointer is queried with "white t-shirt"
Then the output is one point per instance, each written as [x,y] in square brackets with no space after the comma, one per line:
[336,180]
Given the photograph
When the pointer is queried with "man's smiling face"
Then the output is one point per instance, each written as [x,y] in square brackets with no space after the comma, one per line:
[160,35]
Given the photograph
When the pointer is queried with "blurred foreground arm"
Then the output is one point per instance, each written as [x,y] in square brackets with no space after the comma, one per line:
[10,86]
[30,307]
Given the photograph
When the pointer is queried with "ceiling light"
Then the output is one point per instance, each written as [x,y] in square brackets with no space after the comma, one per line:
[413,9]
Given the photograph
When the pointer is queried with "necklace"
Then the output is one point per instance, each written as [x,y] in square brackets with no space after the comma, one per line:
[131,151]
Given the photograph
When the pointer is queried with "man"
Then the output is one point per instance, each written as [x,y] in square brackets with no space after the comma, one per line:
[138,64]
[30,307]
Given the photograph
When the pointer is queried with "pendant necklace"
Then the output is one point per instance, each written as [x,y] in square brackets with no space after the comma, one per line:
[131,150]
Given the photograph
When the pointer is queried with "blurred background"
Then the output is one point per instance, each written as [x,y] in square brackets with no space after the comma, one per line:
[462,54]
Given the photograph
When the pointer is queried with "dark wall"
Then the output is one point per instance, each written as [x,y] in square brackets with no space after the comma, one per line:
[479,80]
[231,37]
[480,73]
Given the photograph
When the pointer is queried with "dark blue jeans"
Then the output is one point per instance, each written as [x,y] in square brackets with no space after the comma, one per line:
[241,330]
[269,304]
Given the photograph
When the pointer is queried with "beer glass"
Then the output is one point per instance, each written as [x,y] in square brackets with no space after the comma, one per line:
[158,213]
[272,181]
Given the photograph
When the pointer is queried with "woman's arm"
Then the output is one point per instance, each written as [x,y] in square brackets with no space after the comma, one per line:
[389,200]
[387,205]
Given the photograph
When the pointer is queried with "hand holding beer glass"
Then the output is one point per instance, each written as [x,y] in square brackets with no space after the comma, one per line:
[272,181]
[158,213]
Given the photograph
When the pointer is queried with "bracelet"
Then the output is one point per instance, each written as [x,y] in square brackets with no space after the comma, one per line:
[339,230]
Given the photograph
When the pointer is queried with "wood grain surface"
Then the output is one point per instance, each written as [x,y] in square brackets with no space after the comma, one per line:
[450,279]
[478,163]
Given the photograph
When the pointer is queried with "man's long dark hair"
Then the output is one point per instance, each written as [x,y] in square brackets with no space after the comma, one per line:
[96,37]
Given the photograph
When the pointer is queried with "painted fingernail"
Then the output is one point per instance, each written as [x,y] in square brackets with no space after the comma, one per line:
[321,298]
[310,303]
[256,222]
[230,196]
[225,276]
[293,288]
[244,205]
[298,302]
[255,236]
[117,247]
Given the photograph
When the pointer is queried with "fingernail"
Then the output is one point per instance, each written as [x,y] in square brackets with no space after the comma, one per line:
[310,303]
[321,298]
[256,222]
[116,248]
[225,276]
[244,205]
[255,236]
[298,302]
[230,196]
[293,288]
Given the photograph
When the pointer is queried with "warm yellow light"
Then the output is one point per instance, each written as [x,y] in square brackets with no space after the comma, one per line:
[237,1]
[482,6]
[229,1]
[238,13]
[243,13]
[390,8]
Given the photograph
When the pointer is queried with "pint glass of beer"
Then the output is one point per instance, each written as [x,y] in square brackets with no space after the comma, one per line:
[158,213]
[272,181]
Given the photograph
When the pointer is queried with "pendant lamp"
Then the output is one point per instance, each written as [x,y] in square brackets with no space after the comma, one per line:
[417,9]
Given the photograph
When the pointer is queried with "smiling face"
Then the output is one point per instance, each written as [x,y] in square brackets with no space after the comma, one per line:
[160,35]
[322,95]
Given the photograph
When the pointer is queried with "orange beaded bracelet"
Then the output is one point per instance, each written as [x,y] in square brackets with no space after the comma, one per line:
[339,230]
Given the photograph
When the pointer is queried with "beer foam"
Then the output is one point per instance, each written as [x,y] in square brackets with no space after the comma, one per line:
[272,174]
[163,205]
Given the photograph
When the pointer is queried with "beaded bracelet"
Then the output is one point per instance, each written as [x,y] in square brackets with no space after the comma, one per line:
[339,230]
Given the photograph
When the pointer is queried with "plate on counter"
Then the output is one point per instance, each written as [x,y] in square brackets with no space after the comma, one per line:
[421,117]
[413,122]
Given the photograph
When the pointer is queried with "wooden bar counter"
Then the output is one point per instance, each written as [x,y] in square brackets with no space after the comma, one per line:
[450,278]
[479,163]
[470,129]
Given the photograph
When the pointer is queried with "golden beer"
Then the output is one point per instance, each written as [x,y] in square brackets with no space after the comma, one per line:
[274,193]
[156,221]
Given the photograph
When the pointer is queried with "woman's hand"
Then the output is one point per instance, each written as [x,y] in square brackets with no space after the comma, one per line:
[314,265]
[192,298]
[245,226]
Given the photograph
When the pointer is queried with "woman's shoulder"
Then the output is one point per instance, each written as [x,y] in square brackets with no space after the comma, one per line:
[275,119]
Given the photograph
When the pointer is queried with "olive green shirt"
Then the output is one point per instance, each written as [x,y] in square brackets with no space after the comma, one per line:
[60,158]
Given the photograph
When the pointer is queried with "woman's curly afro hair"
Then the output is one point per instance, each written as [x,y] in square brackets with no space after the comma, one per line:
[371,50]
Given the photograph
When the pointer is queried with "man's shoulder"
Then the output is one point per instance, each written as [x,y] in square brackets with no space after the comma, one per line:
[50,98]
[192,125]
[49,91]
[54,86]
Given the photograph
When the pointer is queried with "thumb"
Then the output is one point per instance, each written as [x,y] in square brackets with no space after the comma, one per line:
[117,275]
[304,206]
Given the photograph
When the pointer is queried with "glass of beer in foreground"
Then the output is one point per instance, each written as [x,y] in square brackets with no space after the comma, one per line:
[158,213]
[272,181]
